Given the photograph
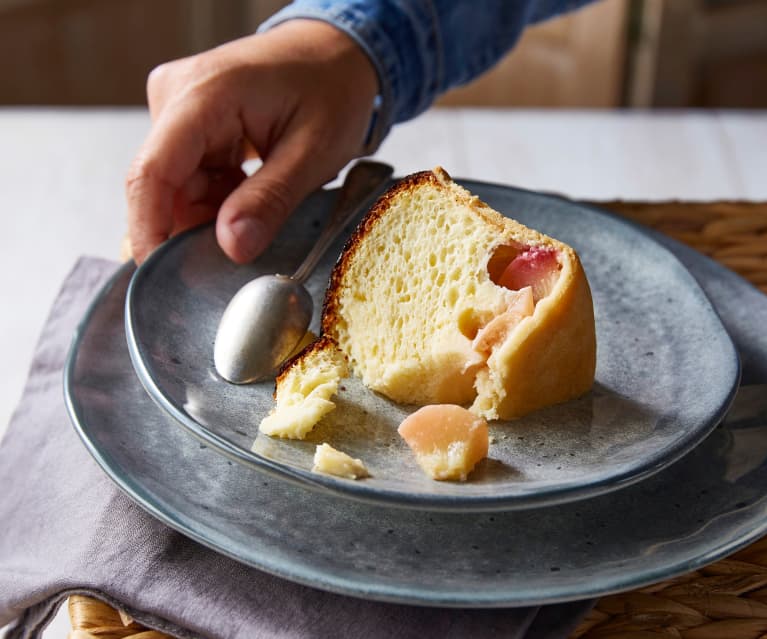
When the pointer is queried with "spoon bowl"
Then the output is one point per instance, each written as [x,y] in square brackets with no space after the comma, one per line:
[279,310]
[267,318]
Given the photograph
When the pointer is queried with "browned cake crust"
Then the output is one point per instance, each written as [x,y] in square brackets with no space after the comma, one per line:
[323,342]
[330,304]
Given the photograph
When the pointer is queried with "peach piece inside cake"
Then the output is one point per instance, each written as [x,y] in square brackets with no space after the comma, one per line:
[536,267]
[531,273]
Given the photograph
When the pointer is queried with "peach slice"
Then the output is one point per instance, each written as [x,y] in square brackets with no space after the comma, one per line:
[498,328]
[447,440]
[537,267]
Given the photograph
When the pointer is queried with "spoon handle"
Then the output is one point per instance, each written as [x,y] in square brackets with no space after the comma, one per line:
[363,181]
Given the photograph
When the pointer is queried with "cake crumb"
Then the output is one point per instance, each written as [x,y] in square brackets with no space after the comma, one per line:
[330,461]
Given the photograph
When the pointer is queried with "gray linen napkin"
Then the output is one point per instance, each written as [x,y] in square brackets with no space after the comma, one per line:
[67,530]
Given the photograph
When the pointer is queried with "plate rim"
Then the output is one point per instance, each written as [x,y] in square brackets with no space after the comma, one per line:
[435,502]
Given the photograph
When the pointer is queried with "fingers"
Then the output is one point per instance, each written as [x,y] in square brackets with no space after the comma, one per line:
[200,198]
[169,157]
[170,162]
[253,214]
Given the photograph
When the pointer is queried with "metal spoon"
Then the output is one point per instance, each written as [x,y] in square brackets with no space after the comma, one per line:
[266,319]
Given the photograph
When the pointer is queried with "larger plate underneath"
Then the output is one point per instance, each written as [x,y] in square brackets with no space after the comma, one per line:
[666,369]
[706,505]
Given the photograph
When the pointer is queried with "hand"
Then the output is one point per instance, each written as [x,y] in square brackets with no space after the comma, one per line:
[300,95]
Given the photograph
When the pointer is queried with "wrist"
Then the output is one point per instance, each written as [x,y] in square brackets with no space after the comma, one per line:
[335,41]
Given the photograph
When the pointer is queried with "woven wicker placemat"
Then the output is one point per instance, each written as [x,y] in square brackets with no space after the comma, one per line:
[726,600]
[732,233]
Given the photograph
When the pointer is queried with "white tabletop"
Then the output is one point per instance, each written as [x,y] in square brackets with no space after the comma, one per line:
[62,171]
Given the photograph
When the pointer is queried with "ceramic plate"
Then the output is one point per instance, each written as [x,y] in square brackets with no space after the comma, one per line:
[666,369]
[706,505]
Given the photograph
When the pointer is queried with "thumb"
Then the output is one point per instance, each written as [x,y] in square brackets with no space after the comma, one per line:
[251,216]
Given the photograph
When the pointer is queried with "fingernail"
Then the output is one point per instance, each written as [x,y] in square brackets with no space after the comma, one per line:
[251,236]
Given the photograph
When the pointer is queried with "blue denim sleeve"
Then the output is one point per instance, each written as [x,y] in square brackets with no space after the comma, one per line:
[421,48]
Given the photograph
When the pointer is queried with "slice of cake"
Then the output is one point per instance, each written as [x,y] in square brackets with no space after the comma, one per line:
[439,299]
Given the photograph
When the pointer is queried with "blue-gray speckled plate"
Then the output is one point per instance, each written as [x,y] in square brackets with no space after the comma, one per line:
[705,506]
[666,369]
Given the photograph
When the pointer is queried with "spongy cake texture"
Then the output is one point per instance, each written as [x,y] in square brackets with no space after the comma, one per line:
[413,288]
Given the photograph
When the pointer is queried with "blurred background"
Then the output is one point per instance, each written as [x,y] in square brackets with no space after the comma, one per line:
[615,53]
